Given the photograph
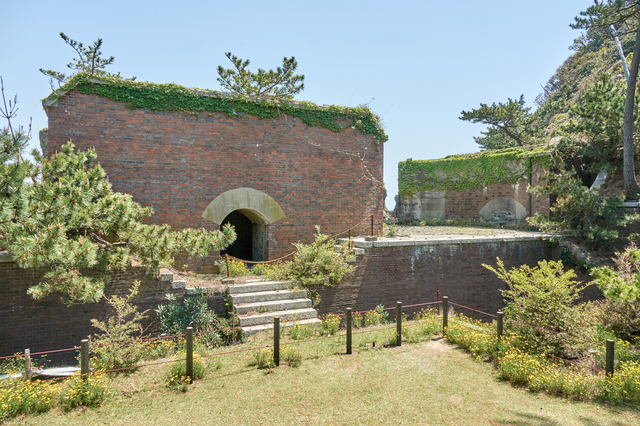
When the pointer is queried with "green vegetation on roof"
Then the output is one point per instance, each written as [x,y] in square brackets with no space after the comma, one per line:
[466,171]
[171,97]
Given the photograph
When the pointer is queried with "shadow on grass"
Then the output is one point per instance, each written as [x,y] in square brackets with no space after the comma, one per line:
[527,419]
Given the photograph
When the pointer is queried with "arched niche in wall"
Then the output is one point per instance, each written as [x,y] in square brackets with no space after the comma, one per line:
[250,212]
[503,210]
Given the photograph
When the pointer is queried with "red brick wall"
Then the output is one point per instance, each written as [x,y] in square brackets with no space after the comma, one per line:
[466,204]
[178,163]
[412,274]
[47,324]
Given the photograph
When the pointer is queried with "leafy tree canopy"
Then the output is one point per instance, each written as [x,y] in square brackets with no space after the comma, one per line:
[281,83]
[61,217]
[511,124]
[88,60]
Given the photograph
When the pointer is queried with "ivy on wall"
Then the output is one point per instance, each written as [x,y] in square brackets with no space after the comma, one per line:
[467,171]
[172,97]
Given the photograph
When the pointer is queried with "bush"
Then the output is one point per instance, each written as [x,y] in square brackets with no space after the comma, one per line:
[107,350]
[81,392]
[620,312]
[540,308]
[302,331]
[583,213]
[237,268]
[174,318]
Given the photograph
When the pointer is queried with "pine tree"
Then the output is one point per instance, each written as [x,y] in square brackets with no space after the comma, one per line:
[61,217]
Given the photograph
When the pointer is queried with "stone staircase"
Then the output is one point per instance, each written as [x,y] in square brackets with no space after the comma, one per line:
[256,303]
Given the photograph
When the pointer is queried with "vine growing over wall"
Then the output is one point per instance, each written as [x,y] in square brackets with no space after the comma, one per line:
[172,97]
[467,171]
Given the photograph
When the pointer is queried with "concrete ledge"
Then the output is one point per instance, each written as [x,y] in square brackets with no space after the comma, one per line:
[447,240]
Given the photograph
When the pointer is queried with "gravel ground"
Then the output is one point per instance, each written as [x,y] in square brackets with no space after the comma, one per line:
[425,231]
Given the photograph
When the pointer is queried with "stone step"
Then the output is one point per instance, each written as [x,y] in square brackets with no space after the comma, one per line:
[259,286]
[265,296]
[272,305]
[267,317]
[252,329]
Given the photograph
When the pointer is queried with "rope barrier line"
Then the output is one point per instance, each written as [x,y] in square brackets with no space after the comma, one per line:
[329,237]
[138,366]
[421,304]
[553,332]
[475,327]
[597,370]
[235,352]
[137,340]
[41,353]
[373,331]
[474,310]
[333,336]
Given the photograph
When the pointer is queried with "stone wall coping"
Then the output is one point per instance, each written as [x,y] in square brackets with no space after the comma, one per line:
[360,242]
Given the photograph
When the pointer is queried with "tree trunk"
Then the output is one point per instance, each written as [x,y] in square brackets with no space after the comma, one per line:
[631,188]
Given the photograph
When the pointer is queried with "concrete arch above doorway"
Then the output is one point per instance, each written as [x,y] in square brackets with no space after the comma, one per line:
[256,205]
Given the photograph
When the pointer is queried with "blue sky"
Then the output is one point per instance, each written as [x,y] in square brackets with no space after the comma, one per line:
[416,63]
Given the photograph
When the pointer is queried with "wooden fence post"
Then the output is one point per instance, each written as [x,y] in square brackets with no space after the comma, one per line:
[609,357]
[189,360]
[27,364]
[276,341]
[445,312]
[349,325]
[399,323]
[500,324]
[84,358]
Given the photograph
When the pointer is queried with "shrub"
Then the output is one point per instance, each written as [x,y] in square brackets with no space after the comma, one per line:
[620,312]
[174,318]
[107,350]
[177,376]
[237,268]
[585,214]
[540,308]
[84,392]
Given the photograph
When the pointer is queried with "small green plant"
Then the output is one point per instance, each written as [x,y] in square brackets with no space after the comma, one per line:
[291,356]
[302,331]
[177,375]
[356,320]
[330,325]
[84,392]
[116,346]
[390,230]
[263,358]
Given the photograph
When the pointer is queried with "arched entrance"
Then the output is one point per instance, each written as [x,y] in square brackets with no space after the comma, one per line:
[251,235]
[250,212]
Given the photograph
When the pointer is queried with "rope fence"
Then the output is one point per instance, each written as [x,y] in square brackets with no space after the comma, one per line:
[329,237]
[348,332]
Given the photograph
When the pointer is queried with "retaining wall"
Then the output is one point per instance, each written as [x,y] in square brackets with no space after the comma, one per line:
[412,271]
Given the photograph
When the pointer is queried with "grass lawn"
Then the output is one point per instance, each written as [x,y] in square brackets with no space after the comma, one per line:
[430,382]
